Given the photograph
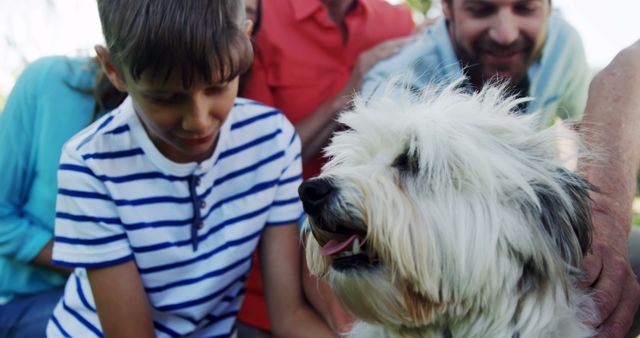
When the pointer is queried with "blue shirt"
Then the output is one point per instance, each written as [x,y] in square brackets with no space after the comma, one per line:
[190,227]
[558,80]
[42,112]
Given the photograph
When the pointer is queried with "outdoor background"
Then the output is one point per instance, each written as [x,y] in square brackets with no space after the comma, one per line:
[30,29]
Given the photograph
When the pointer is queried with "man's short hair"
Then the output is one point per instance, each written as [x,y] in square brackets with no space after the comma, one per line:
[202,39]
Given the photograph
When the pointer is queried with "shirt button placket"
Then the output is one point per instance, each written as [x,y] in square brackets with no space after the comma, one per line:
[198,223]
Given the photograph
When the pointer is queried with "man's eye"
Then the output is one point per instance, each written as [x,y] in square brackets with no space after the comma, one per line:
[479,10]
[526,8]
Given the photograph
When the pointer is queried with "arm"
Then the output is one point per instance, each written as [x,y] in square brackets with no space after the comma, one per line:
[576,69]
[121,301]
[23,237]
[44,259]
[290,316]
[316,130]
[326,302]
[611,123]
[88,234]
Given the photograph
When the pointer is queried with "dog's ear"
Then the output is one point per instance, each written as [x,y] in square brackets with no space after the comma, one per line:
[567,222]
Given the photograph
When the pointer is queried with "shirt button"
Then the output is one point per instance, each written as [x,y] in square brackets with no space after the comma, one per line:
[200,225]
[196,181]
[203,204]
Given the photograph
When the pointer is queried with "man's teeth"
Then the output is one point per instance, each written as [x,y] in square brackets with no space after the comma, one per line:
[355,249]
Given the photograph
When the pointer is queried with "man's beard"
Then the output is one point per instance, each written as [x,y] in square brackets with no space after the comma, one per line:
[480,72]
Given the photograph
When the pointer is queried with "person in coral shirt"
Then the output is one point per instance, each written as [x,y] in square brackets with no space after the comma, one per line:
[310,58]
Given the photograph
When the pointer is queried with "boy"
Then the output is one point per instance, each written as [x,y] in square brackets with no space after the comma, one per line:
[161,202]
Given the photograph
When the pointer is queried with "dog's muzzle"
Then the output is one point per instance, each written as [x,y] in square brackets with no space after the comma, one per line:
[317,195]
[339,238]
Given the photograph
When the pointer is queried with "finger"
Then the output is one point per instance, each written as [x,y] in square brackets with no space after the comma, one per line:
[592,267]
[621,319]
[393,46]
[608,288]
[399,42]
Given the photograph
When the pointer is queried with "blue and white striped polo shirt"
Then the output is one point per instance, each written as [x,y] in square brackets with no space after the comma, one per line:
[191,228]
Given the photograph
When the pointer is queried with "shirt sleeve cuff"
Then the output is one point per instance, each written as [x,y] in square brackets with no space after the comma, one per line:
[38,238]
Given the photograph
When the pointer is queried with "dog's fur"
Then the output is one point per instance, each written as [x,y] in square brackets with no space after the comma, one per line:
[470,226]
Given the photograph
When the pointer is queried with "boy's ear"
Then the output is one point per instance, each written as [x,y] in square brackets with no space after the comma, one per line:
[109,68]
[248,27]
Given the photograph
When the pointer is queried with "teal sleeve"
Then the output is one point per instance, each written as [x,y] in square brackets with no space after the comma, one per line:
[574,99]
[372,81]
[21,236]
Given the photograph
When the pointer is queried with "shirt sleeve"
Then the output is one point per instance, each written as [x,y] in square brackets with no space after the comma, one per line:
[22,236]
[88,230]
[574,99]
[286,207]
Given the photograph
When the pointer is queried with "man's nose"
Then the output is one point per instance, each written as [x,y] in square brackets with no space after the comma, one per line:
[504,29]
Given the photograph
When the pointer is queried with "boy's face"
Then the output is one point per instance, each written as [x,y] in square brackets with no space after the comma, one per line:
[182,123]
[499,38]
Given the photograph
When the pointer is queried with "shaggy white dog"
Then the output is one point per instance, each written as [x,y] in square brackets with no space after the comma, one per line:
[447,215]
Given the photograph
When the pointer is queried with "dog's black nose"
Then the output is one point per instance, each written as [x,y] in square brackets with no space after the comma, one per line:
[314,194]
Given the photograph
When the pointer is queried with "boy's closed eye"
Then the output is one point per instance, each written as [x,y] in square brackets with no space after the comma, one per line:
[165,98]
[168,98]
[217,88]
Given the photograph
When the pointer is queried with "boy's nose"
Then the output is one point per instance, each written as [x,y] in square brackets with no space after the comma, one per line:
[197,119]
[504,29]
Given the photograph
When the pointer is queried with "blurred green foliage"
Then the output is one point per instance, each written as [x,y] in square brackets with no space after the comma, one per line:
[421,6]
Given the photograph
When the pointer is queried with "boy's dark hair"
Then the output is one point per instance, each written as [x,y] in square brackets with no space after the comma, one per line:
[202,39]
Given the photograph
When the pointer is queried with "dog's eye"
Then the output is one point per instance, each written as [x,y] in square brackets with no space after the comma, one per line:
[405,163]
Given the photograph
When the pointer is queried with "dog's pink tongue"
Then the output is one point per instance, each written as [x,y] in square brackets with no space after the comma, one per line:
[334,247]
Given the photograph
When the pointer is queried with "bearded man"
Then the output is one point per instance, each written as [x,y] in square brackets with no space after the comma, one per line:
[522,42]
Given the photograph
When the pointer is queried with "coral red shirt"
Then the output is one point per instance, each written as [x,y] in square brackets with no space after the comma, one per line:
[301,61]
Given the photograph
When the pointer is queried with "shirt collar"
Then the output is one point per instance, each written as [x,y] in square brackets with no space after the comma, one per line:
[304,8]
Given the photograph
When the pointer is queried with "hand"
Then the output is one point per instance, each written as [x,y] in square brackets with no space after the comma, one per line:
[617,293]
[370,57]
